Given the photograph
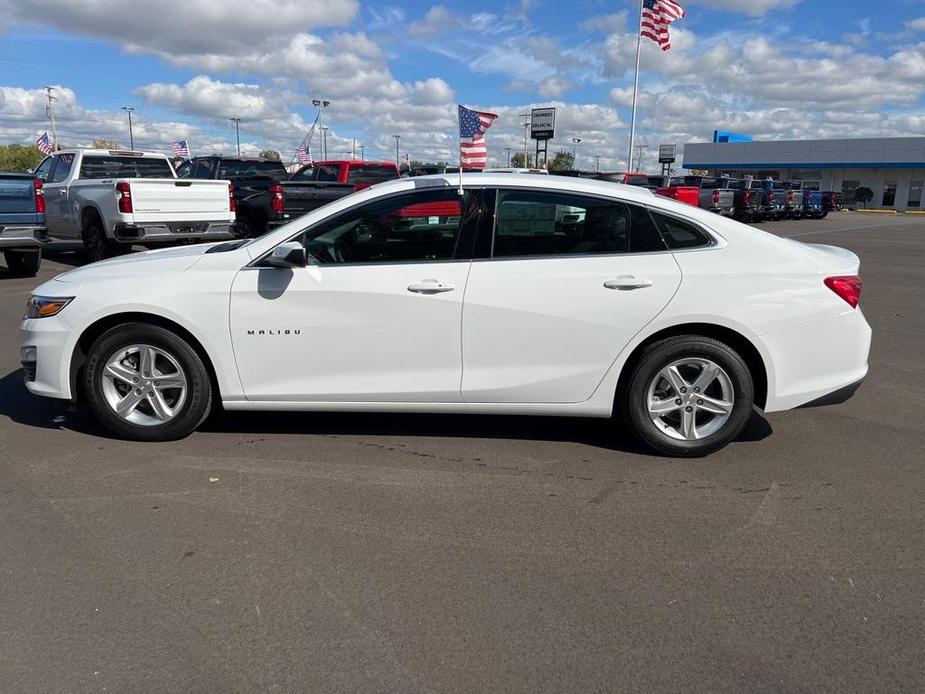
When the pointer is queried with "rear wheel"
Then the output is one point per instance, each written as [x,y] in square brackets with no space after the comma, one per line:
[689,396]
[144,382]
[23,263]
[99,247]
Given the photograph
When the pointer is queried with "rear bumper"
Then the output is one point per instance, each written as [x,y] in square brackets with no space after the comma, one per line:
[173,231]
[22,236]
[817,362]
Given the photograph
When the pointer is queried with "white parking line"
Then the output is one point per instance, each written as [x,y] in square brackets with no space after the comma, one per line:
[831,231]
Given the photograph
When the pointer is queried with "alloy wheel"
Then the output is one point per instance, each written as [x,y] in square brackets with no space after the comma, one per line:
[144,385]
[690,399]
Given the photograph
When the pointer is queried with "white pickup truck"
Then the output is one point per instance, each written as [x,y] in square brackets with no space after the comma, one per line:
[113,199]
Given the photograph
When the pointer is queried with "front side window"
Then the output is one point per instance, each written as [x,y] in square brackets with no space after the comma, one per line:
[679,234]
[535,223]
[42,171]
[418,227]
[62,167]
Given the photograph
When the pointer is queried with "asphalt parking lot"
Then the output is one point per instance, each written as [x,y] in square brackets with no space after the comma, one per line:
[406,553]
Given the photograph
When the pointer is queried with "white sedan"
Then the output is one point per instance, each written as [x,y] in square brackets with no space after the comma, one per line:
[526,295]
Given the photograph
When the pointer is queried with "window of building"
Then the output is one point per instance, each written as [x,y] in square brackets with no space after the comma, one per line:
[848,189]
[805,174]
[889,194]
[915,194]
[534,223]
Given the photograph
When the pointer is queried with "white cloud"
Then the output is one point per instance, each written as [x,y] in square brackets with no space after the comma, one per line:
[753,8]
[916,24]
[615,23]
[437,20]
[554,87]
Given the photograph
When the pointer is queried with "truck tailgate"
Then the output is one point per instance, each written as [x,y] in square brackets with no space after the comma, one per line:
[171,200]
[17,200]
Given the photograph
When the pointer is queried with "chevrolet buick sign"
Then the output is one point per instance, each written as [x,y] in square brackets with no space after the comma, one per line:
[542,123]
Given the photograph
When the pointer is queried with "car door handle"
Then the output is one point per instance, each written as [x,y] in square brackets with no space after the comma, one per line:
[431,287]
[628,282]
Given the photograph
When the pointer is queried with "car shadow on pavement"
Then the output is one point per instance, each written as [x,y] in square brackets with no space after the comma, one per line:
[20,406]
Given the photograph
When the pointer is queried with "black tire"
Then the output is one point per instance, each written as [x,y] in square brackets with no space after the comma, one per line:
[192,412]
[23,263]
[659,356]
[97,246]
[822,215]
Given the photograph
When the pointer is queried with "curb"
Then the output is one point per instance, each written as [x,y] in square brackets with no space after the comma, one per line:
[877,212]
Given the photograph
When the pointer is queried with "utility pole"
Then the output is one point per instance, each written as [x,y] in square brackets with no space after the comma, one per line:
[597,163]
[397,158]
[50,112]
[237,132]
[131,136]
[642,149]
[526,127]
[321,104]
[353,153]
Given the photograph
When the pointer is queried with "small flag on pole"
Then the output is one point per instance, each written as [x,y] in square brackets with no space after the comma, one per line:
[43,143]
[304,155]
[180,148]
[657,15]
[473,125]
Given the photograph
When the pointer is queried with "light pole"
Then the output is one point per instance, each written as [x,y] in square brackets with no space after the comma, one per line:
[508,150]
[642,149]
[324,143]
[575,143]
[526,126]
[362,149]
[131,136]
[321,104]
[237,132]
[397,158]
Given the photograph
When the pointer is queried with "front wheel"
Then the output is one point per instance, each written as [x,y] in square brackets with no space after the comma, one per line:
[23,263]
[146,383]
[689,396]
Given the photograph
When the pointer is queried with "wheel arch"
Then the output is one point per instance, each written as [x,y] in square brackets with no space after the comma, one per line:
[739,342]
[100,326]
[90,212]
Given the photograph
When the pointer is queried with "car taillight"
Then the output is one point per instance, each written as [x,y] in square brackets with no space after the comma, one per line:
[39,195]
[771,198]
[277,201]
[746,197]
[124,190]
[789,196]
[848,287]
[232,203]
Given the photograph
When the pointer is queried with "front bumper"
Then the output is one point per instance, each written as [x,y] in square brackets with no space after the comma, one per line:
[815,360]
[53,341]
[22,236]
[175,231]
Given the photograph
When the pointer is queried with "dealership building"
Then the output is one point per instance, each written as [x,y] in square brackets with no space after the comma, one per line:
[893,168]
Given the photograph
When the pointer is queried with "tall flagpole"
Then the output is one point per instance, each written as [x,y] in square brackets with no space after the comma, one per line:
[629,161]
[459,136]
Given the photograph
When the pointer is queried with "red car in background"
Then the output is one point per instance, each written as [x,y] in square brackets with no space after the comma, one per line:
[360,174]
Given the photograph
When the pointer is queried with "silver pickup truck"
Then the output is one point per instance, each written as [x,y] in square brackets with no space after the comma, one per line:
[112,199]
[22,222]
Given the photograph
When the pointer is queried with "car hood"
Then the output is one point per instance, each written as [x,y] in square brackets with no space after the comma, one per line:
[159,261]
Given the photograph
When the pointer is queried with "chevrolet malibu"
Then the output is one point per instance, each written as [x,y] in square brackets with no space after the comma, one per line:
[513,295]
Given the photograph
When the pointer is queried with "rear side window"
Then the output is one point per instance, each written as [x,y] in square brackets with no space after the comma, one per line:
[637,180]
[114,166]
[533,223]
[318,173]
[370,174]
[679,234]
[243,168]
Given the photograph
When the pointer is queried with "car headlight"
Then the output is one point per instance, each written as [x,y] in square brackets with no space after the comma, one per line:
[45,306]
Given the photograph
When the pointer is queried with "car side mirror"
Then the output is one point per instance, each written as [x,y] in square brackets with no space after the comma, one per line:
[288,255]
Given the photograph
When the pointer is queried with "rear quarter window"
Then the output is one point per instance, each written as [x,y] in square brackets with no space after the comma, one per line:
[679,234]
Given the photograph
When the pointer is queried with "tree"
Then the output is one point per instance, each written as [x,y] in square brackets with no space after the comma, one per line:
[517,161]
[19,158]
[563,160]
[270,154]
[863,195]
[103,143]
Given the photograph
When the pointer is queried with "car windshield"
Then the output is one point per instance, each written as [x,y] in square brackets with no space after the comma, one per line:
[120,166]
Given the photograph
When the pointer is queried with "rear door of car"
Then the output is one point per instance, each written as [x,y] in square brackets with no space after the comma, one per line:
[569,280]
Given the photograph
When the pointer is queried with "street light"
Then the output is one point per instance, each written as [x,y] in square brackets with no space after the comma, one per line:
[237,132]
[131,136]
[575,142]
[321,104]
[526,126]
[597,163]
[324,143]
[397,158]
[508,150]
[362,149]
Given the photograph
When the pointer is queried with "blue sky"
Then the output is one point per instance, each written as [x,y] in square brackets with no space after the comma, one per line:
[771,68]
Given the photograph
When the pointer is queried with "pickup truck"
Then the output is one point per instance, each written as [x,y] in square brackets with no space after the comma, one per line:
[629,179]
[817,204]
[788,197]
[333,179]
[709,193]
[112,199]
[747,193]
[22,222]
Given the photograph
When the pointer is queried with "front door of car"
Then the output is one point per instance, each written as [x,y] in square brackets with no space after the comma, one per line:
[570,281]
[374,317]
[58,213]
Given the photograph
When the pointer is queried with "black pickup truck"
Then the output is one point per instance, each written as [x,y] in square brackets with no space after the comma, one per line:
[22,222]
[264,196]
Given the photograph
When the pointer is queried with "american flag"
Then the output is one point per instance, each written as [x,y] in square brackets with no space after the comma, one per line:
[656,16]
[472,128]
[44,144]
[304,155]
[180,148]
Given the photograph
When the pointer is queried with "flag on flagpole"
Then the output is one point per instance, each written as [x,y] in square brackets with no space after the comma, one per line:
[43,143]
[473,153]
[304,155]
[657,16]
[180,148]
